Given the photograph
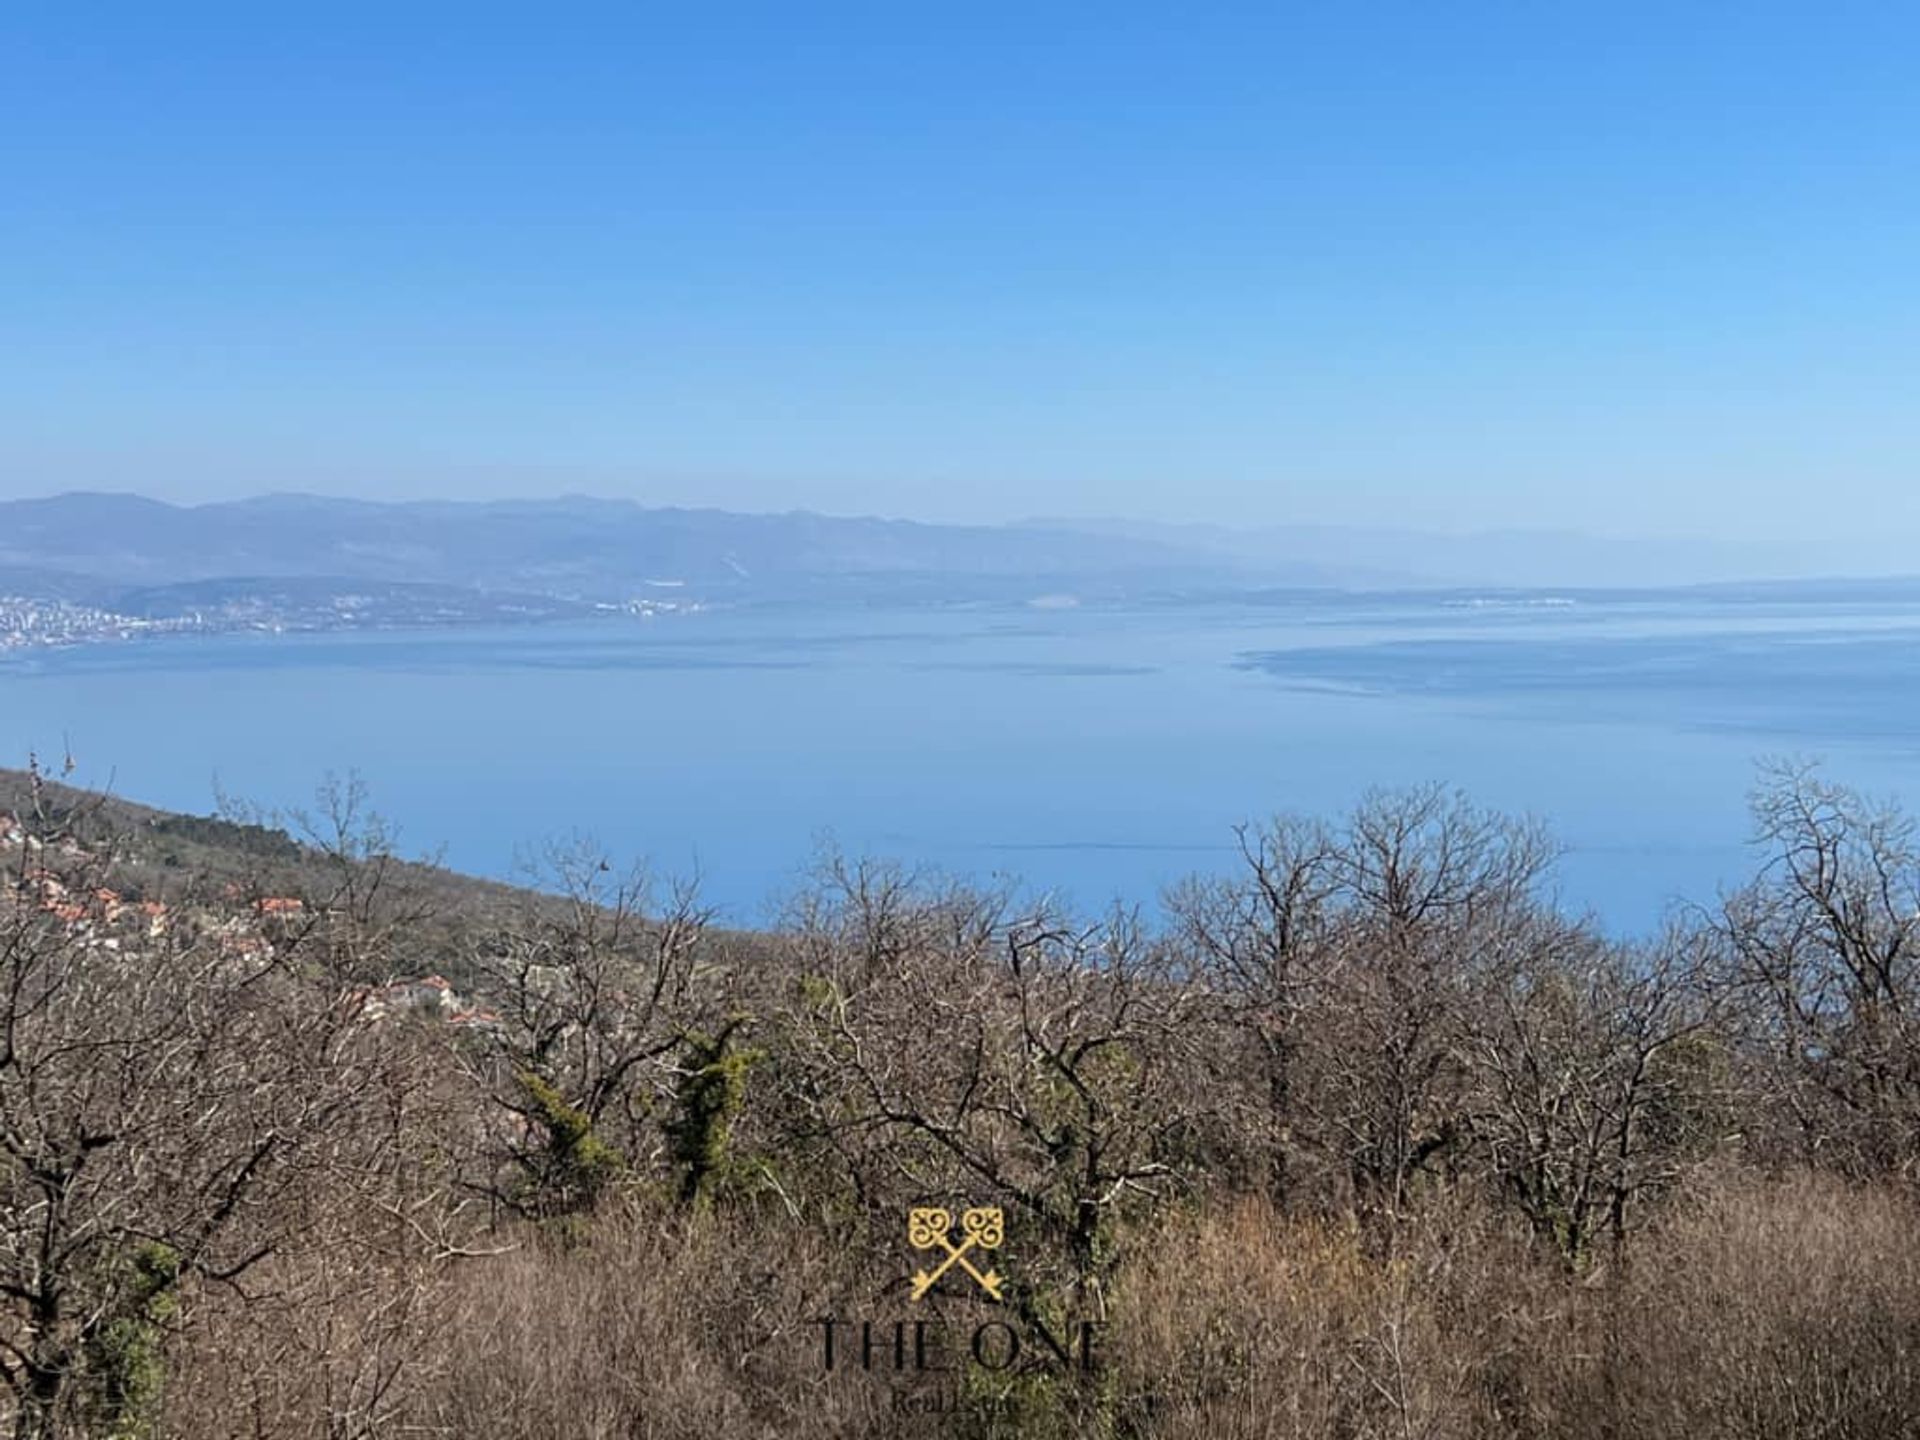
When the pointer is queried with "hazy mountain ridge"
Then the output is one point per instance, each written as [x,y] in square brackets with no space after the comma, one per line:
[1511,556]
[577,548]
[307,561]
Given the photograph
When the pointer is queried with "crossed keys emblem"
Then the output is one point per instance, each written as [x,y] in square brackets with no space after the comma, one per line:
[932,1229]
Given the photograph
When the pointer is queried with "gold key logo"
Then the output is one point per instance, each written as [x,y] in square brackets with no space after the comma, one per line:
[982,1228]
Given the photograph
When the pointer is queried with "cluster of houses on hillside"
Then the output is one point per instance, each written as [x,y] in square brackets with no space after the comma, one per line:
[247,930]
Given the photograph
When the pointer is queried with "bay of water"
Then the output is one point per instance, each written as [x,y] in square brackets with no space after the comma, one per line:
[1095,753]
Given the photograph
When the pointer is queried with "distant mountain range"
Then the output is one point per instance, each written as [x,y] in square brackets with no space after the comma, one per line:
[102,549]
[1518,558]
[311,560]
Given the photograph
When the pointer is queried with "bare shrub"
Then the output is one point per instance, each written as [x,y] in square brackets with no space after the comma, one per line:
[1246,1323]
[1789,1309]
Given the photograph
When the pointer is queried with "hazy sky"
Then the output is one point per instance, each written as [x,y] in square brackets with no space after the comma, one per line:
[1639,268]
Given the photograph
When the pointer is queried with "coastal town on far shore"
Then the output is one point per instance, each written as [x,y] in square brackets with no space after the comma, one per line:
[28,623]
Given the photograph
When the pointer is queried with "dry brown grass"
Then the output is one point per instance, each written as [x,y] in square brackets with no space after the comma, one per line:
[1771,1311]
[1759,1309]
[1246,1324]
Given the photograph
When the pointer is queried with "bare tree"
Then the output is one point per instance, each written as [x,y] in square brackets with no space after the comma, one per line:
[1595,1076]
[1827,944]
[171,1087]
[591,990]
[1050,1063]
[1265,944]
[1428,886]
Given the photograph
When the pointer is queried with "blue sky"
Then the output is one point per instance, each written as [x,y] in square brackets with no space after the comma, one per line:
[1637,269]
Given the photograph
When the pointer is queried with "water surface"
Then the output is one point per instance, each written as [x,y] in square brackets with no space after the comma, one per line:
[1096,753]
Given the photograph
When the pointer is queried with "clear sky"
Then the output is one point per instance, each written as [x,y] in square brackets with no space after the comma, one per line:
[1636,268]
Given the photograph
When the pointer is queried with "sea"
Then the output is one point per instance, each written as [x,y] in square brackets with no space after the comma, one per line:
[1097,754]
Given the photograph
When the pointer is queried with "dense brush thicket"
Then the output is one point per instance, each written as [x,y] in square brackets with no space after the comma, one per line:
[1365,1139]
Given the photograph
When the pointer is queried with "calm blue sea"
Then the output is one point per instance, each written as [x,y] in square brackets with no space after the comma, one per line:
[1096,753]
